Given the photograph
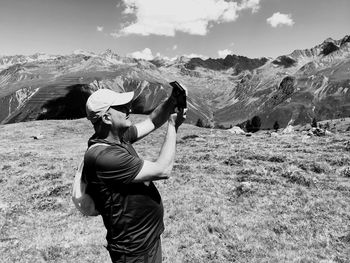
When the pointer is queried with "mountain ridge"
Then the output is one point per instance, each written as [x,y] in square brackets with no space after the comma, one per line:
[291,88]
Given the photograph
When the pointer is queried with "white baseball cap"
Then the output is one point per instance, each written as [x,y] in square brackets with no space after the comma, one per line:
[101,100]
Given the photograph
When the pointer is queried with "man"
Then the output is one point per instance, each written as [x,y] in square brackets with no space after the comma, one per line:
[120,182]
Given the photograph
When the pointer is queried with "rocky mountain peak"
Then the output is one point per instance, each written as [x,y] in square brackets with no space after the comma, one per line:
[182,59]
[108,52]
[327,47]
[329,40]
[83,52]
[346,39]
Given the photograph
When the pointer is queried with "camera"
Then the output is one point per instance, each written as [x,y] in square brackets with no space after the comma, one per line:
[180,94]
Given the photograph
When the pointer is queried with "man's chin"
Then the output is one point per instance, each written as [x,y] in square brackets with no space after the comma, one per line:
[128,123]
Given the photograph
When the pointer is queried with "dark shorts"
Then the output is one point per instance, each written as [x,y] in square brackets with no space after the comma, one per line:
[154,255]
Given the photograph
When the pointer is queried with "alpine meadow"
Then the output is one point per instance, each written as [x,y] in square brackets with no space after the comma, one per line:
[268,197]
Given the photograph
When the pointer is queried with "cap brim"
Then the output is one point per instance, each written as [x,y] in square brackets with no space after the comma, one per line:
[123,98]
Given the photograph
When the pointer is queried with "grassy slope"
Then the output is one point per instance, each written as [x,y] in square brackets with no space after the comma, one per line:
[231,198]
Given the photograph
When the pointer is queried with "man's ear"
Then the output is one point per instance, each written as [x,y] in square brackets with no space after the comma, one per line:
[106,118]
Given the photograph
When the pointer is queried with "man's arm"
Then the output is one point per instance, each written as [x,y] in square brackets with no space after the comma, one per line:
[157,118]
[161,168]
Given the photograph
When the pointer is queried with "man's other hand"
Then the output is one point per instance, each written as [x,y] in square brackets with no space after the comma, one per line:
[178,117]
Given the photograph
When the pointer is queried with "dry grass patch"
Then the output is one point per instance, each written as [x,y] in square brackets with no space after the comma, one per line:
[230,198]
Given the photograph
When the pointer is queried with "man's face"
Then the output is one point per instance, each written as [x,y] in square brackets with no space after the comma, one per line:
[120,116]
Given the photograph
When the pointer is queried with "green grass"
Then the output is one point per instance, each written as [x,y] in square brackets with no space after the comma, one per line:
[230,198]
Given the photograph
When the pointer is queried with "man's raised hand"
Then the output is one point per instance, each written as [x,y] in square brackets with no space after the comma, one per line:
[178,117]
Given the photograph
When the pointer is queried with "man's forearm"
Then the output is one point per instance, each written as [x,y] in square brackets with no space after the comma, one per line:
[161,168]
[167,152]
[161,114]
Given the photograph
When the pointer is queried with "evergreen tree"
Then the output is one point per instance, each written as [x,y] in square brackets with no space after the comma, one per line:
[248,126]
[314,123]
[256,123]
[276,126]
[199,123]
[327,126]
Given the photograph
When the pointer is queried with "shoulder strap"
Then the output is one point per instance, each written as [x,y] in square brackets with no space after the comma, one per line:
[97,144]
[89,148]
[95,157]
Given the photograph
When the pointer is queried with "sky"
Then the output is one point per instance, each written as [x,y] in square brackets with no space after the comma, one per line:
[170,28]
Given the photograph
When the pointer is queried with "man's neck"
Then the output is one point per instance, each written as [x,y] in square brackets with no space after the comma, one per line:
[112,138]
[115,136]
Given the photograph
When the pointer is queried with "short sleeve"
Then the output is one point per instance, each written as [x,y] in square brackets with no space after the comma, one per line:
[115,165]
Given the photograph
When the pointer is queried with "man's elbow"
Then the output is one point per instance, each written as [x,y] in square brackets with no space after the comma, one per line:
[163,172]
[152,171]
[167,171]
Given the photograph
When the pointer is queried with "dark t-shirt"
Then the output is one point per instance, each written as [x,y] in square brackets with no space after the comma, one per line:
[132,212]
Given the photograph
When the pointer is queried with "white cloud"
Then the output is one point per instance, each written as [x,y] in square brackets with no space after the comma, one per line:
[193,55]
[224,53]
[99,28]
[278,19]
[144,54]
[166,17]
[250,4]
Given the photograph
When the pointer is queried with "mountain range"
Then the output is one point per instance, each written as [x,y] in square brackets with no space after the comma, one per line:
[291,89]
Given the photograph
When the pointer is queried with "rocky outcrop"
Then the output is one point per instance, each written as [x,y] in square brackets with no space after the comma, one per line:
[284,90]
[236,130]
[284,61]
[345,40]
[13,103]
[328,48]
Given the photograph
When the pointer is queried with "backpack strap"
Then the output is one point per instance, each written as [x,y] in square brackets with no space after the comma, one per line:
[89,148]
[97,144]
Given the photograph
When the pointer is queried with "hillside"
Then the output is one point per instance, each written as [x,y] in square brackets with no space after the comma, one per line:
[291,89]
[230,198]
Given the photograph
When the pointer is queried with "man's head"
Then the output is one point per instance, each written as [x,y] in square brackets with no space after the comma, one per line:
[102,100]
